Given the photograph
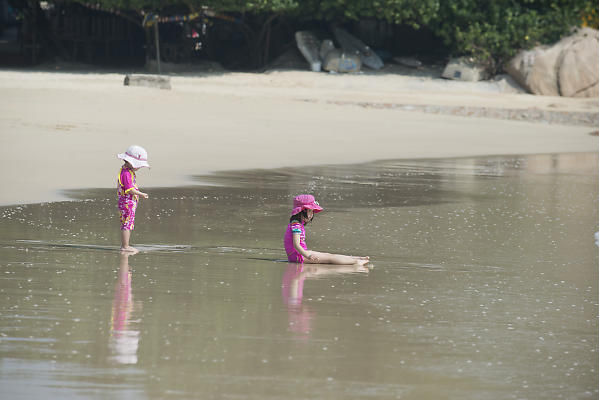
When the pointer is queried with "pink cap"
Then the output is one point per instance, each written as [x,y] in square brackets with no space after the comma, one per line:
[305,202]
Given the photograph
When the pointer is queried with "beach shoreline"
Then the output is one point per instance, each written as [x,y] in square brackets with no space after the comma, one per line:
[62,130]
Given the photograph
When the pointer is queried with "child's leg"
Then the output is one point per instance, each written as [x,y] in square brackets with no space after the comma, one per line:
[127,212]
[338,259]
[125,235]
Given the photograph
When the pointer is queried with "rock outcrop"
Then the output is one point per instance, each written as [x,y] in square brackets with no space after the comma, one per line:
[569,68]
[464,69]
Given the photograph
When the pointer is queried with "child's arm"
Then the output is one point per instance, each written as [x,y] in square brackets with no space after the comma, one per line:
[305,253]
[137,192]
[126,181]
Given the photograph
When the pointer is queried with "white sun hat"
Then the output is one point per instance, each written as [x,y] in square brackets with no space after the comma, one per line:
[137,156]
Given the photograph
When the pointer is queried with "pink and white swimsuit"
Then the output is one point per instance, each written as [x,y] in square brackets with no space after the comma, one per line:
[127,200]
[294,227]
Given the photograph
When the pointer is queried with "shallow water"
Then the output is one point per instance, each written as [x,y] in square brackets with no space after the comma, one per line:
[485,285]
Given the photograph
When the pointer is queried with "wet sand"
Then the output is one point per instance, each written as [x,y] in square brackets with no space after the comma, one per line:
[484,285]
[484,281]
[61,131]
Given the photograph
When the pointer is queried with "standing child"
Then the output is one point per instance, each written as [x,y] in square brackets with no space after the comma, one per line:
[135,158]
[304,208]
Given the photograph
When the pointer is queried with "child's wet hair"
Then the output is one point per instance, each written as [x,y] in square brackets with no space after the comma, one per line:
[301,216]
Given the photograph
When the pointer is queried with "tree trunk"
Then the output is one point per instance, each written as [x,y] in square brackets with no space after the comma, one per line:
[262,43]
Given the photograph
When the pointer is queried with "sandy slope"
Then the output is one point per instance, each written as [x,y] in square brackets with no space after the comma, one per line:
[62,130]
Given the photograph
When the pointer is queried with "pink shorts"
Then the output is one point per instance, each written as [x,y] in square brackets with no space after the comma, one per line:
[295,257]
[127,213]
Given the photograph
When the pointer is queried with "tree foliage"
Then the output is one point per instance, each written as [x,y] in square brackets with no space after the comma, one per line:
[489,30]
[495,30]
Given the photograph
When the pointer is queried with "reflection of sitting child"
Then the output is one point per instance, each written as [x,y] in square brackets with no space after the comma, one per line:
[292,285]
[304,208]
[292,290]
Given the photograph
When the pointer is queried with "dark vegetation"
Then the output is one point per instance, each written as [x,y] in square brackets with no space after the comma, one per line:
[248,34]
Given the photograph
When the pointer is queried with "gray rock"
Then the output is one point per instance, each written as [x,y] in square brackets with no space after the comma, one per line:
[154,81]
[567,68]
[338,61]
[507,84]
[408,61]
[464,69]
[325,47]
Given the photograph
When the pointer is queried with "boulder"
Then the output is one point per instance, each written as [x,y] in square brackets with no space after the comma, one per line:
[567,68]
[579,71]
[464,69]
[507,84]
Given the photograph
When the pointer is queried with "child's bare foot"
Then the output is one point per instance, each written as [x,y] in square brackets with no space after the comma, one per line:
[361,258]
[361,268]
[129,249]
[362,261]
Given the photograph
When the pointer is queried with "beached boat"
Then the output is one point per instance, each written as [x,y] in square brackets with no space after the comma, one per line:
[353,45]
[309,45]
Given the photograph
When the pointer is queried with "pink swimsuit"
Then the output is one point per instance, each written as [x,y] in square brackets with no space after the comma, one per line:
[294,227]
[127,200]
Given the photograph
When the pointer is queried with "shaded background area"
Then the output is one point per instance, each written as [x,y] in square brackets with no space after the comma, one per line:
[73,32]
[246,35]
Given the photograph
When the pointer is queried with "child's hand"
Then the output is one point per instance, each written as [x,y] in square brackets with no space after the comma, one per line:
[144,195]
[312,257]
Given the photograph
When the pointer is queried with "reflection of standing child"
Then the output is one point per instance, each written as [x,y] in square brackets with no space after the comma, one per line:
[304,208]
[124,340]
[135,158]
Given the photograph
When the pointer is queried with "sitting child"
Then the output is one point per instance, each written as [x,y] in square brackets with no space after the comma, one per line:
[304,208]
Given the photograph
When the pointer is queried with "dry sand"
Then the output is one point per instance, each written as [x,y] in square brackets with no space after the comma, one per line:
[62,131]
